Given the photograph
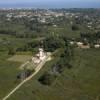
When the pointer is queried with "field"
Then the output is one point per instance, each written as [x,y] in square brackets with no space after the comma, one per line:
[8,73]
[64,29]
[10,69]
[20,58]
[73,77]
[8,41]
[82,82]
[9,64]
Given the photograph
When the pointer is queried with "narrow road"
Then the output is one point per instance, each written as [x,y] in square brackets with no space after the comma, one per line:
[22,66]
[27,79]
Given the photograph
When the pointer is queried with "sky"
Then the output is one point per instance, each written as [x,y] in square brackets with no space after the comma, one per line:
[51,3]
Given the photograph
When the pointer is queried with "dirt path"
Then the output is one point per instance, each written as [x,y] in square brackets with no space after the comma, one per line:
[27,79]
[22,66]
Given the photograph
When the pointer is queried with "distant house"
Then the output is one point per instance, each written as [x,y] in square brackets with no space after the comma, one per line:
[39,57]
[97,45]
[81,45]
[72,42]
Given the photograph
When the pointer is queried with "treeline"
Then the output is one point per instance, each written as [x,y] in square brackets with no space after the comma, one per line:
[91,38]
[31,46]
[20,34]
[51,43]
[64,58]
[57,68]
[9,32]
[95,35]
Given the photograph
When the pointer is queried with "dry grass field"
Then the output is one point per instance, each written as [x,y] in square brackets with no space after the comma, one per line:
[20,58]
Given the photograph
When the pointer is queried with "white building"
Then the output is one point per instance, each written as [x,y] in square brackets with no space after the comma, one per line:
[79,44]
[72,42]
[39,57]
[42,55]
[97,46]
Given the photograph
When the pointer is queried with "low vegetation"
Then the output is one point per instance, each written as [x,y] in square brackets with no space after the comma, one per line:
[72,74]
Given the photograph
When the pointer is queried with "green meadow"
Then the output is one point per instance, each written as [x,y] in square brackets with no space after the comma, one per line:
[82,82]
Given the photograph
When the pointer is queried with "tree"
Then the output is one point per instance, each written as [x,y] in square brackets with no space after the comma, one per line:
[47,79]
[52,43]
[11,51]
[75,27]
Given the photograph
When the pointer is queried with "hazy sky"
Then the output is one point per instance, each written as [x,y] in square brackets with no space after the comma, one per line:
[34,1]
[51,3]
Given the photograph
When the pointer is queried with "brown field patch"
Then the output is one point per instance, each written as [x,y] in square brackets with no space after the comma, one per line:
[20,58]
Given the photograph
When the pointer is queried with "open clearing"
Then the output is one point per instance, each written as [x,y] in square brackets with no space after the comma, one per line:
[82,82]
[20,58]
[38,68]
[8,72]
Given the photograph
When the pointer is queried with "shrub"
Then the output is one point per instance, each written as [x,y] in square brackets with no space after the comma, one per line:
[47,79]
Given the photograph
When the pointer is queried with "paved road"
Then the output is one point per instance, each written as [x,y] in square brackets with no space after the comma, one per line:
[27,79]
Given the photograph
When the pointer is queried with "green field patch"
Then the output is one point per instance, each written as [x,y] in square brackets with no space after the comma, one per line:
[8,74]
[20,58]
[24,53]
[82,82]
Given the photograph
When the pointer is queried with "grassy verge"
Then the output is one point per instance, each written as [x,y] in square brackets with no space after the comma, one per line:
[8,73]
